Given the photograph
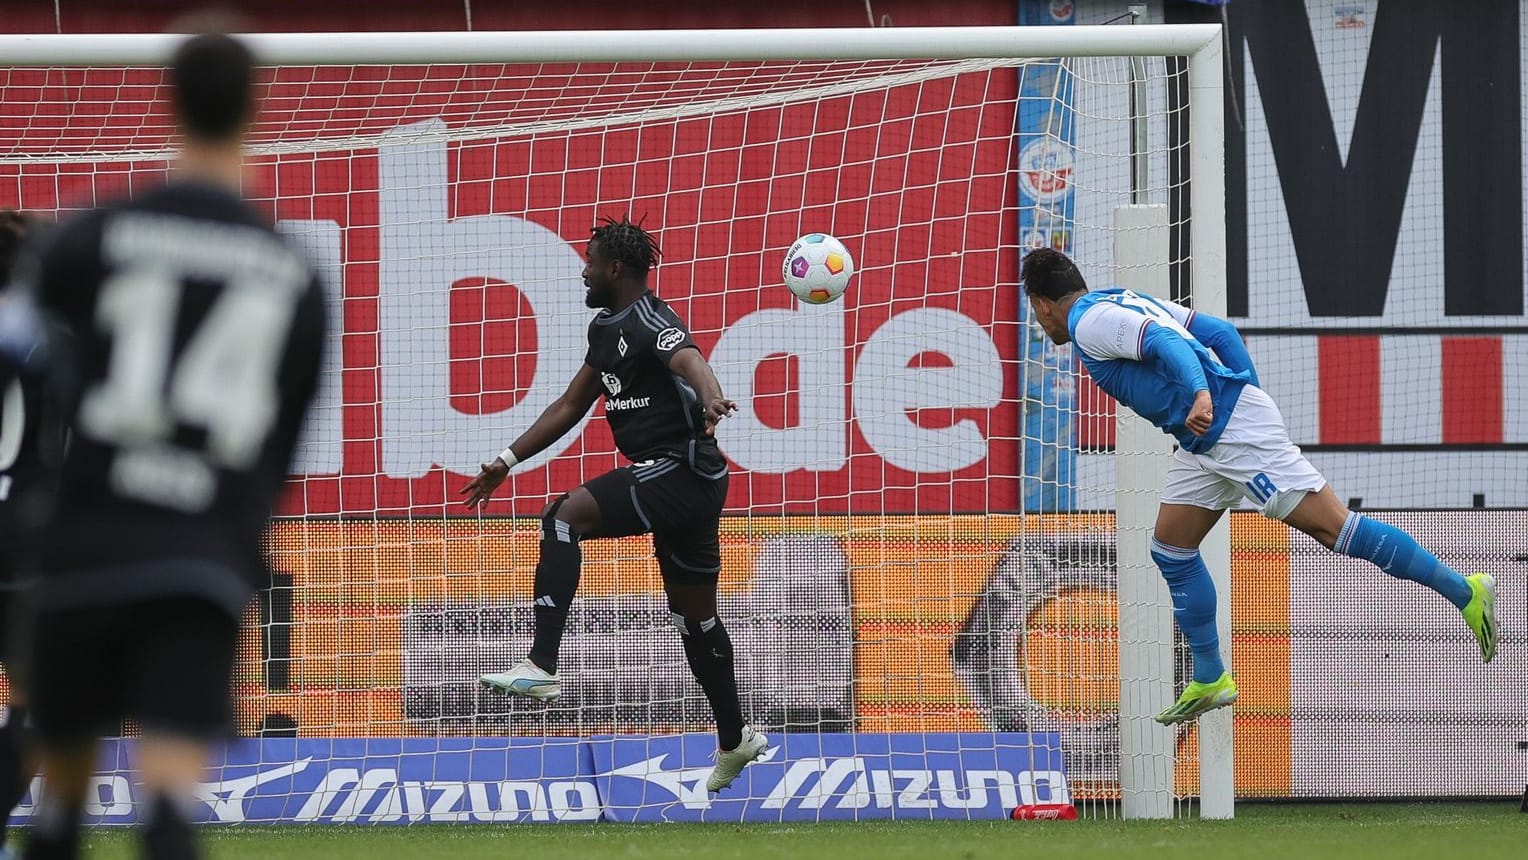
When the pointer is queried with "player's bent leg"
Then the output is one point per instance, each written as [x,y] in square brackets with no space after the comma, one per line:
[603,507]
[1397,553]
[1320,515]
[564,523]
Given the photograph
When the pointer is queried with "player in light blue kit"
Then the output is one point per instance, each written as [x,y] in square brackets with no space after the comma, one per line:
[1155,357]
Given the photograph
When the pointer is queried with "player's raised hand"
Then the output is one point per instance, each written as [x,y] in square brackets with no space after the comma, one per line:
[716,409]
[1201,415]
[480,488]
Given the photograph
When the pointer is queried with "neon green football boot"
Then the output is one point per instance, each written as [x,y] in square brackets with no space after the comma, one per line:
[1200,698]
[1480,613]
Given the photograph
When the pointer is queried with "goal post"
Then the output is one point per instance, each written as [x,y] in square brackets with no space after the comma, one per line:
[965,648]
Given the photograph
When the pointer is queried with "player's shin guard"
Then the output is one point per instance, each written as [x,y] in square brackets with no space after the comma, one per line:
[1193,593]
[708,649]
[1399,555]
[167,833]
[15,775]
[556,582]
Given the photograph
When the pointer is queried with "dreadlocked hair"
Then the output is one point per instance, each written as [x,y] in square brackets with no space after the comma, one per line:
[622,240]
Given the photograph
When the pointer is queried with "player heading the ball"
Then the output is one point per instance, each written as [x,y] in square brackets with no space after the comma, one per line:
[662,403]
[1156,358]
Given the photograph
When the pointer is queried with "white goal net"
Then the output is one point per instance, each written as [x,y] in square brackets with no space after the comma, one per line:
[922,564]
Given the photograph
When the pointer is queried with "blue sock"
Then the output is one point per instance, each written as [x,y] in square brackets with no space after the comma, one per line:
[1193,592]
[1397,554]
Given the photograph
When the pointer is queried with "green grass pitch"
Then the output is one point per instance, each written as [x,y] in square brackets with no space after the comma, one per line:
[1304,832]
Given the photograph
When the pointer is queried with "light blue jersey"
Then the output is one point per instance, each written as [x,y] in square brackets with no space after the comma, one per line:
[1133,347]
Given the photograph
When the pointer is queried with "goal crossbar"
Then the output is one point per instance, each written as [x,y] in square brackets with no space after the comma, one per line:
[614,46]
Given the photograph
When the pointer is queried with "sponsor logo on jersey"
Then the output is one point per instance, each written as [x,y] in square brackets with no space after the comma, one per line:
[612,382]
[670,338]
[625,403]
[1124,332]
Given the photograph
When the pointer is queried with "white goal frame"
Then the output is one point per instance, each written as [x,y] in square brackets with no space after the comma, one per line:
[1145,625]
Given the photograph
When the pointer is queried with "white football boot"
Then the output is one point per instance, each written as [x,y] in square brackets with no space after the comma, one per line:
[730,763]
[525,679]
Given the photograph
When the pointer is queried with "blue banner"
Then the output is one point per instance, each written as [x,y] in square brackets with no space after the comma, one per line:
[371,781]
[1044,139]
[833,777]
[803,777]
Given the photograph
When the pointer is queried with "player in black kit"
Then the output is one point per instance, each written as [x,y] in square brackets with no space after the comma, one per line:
[197,333]
[31,445]
[662,402]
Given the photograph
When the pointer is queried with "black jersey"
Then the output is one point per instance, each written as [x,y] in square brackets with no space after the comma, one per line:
[653,412]
[197,333]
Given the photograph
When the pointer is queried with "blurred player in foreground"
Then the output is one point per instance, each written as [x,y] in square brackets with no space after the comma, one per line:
[197,332]
[1155,357]
[662,403]
[31,446]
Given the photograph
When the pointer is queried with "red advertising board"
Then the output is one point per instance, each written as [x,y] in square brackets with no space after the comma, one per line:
[453,236]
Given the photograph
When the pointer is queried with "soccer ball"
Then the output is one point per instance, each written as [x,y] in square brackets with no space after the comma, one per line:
[817,268]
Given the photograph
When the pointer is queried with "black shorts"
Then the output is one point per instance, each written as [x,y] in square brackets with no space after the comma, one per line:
[681,509]
[164,662]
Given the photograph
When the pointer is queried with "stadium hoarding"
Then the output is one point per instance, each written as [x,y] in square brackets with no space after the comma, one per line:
[461,318]
[908,624]
[627,778]
[812,777]
[1417,399]
[1389,696]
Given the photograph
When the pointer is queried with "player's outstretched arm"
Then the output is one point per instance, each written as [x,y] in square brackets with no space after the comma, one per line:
[1177,361]
[559,418]
[692,366]
[1222,336]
